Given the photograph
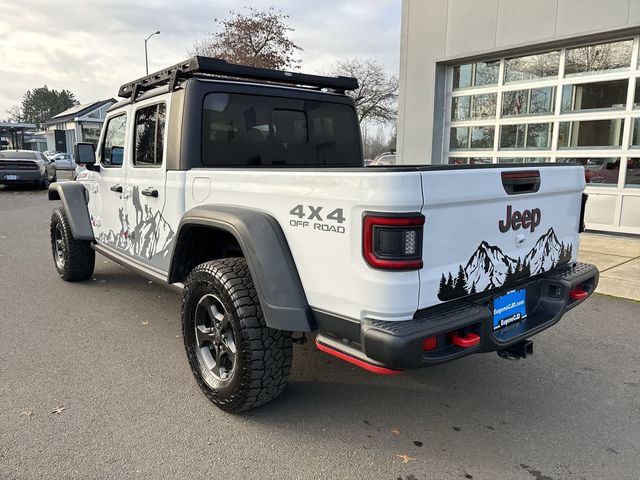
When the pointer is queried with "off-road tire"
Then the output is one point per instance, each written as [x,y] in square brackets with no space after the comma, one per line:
[78,258]
[263,355]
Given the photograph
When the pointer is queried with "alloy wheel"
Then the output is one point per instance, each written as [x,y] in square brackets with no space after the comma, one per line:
[59,247]
[215,337]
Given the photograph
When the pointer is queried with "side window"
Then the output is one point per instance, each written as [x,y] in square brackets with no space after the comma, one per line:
[113,148]
[149,136]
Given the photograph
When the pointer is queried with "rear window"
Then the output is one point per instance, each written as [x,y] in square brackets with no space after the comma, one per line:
[19,155]
[258,131]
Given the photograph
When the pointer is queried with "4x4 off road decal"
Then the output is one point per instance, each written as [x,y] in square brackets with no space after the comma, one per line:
[314,218]
[489,268]
[150,238]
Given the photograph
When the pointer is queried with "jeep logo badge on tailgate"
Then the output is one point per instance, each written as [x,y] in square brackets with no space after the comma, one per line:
[528,219]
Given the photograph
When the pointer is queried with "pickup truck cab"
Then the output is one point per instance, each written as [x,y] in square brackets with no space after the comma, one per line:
[245,189]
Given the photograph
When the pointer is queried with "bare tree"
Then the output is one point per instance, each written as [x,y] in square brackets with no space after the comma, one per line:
[599,57]
[377,97]
[259,38]
[374,143]
[15,113]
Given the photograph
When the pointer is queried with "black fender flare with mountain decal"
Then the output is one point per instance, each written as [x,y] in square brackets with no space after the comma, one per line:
[489,268]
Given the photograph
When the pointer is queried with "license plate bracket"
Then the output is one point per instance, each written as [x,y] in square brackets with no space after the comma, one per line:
[509,308]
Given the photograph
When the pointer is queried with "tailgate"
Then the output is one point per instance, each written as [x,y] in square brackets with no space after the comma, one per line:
[491,227]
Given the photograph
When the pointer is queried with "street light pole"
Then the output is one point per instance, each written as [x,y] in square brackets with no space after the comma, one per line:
[146,58]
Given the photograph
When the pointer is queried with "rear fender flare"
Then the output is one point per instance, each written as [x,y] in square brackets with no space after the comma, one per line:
[269,259]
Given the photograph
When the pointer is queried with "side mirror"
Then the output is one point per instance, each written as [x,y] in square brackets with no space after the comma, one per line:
[84,153]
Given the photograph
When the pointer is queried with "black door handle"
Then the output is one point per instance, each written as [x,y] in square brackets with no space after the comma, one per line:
[150,192]
[116,188]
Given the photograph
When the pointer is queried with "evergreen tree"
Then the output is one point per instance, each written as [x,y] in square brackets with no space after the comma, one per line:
[473,288]
[509,277]
[443,285]
[560,255]
[526,270]
[450,282]
[460,288]
[566,252]
[446,288]
[40,104]
[518,270]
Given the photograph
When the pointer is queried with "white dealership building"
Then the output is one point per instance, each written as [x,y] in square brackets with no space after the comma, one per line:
[493,81]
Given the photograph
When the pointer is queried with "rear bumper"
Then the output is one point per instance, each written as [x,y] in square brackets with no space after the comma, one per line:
[24,176]
[399,345]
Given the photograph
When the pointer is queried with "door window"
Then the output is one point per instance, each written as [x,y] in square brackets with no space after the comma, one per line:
[149,142]
[113,148]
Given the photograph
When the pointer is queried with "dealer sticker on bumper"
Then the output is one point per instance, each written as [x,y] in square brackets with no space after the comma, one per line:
[509,308]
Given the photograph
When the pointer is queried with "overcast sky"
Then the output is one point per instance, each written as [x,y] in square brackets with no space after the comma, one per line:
[91,47]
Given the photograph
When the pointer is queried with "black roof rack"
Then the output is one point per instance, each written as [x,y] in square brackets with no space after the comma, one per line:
[221,68]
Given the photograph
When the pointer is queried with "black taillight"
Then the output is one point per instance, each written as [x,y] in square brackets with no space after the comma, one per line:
[393,242]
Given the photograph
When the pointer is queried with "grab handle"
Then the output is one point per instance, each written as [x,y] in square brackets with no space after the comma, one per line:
[515,183]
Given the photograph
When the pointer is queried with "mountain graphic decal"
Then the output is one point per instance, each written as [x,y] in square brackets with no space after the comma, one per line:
[150,237]
[489,268]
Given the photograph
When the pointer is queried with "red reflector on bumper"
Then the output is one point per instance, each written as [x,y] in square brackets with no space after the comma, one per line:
[429,344]
[471,340]
[576,294]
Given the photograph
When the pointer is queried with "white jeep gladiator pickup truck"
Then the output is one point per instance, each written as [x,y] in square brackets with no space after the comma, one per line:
[245,189]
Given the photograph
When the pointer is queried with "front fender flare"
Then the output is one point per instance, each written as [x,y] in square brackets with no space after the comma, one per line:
[269,259]
[74,202]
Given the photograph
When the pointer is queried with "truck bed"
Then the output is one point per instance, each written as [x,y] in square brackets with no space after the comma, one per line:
[462,205]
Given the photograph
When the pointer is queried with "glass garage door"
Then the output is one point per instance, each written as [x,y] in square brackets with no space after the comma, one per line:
[572,105]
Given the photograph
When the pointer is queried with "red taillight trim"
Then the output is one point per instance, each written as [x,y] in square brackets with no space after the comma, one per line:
[412,221]
[354,361]
[367,242]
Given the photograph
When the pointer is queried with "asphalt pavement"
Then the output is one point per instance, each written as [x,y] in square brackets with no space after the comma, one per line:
[108,353]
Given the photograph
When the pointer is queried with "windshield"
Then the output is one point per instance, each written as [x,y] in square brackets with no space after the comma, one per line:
[258,131]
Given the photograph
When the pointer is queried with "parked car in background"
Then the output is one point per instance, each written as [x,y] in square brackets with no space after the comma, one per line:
[387,158]
[49,154]
[64,161]
[26,167]
[609,172]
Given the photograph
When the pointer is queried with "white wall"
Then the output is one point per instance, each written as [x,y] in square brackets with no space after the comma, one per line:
[446,30]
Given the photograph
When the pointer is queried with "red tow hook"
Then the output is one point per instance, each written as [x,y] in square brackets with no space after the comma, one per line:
[577,294]
[470,340]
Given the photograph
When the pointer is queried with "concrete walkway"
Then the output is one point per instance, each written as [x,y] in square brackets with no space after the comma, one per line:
[618,259]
